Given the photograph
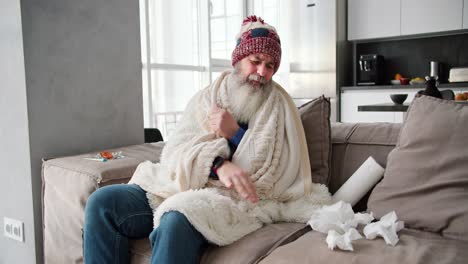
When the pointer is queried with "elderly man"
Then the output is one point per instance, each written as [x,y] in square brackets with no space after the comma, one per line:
[238,160]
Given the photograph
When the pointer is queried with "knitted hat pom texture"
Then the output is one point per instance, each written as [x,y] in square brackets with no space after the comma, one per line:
[255,37]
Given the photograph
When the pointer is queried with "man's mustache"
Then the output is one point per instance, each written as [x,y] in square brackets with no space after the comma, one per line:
[258,78]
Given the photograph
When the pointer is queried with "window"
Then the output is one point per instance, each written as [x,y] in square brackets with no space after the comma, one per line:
[187,43]
[225,19]
[175,58]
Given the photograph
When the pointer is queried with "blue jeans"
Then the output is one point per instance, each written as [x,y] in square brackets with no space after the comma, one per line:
[116,213]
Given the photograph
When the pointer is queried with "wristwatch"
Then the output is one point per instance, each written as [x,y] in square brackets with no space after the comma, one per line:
[218,162]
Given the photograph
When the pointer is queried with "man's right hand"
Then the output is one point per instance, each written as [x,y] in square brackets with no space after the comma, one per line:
[222,122]
[232,175]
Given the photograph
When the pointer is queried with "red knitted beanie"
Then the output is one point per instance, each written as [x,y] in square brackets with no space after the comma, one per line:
[256,36]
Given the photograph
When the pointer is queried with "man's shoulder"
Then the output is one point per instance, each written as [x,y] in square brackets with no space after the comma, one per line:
[278,89]
[203,92]
[201,96]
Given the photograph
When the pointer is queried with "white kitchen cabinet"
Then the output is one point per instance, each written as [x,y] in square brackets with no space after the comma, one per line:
[351,99]
[369,19]
[465,14]
[426,16]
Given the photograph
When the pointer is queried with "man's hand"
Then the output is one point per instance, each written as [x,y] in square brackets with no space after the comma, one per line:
[232,175]
[222,123]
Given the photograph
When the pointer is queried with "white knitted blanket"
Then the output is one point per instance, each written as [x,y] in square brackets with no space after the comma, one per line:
[273,151]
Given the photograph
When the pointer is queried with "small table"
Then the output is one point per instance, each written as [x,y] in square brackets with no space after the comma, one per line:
[383,107]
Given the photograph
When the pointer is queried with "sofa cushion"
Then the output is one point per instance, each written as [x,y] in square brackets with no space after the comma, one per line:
[246,250]
[352,144]
[413,247]
[426,179]
[315,116]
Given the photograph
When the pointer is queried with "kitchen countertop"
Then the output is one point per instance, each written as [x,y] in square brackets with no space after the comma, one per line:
[463,85]
[391,107]
[385,107]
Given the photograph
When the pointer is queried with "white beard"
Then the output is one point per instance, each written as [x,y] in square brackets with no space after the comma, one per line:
[245,99]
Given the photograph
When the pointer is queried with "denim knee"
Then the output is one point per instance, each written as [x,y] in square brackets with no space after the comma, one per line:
[114,214]
[99,200]
[96,201]
[175,235]
[172,222]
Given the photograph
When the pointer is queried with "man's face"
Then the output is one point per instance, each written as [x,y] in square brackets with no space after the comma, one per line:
[257,69]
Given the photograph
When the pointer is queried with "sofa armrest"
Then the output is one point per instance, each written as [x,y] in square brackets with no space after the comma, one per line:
[66,185]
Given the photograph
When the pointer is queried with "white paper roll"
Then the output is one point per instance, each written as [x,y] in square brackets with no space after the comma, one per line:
[362,180]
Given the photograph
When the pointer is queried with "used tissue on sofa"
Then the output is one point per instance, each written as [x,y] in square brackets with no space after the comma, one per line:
[339,222]
[339,217]
[387,227]
[343,242]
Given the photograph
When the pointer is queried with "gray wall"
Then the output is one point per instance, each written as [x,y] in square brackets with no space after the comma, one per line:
[15,188]
[83,81]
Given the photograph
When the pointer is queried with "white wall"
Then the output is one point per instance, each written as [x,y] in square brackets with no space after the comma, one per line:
[15,187]
[78,89]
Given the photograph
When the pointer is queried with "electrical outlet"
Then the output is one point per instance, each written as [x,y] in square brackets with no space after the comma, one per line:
[13,229]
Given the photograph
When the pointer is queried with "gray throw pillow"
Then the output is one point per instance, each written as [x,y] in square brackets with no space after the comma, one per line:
[426,179]
[315,116]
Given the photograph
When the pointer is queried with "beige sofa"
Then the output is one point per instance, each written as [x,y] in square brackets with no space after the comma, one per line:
[68,182]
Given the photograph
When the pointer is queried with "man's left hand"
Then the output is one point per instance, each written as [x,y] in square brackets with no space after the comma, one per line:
[222,122]
[232,176]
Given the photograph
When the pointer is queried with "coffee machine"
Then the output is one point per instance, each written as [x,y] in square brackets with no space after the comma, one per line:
[370,69]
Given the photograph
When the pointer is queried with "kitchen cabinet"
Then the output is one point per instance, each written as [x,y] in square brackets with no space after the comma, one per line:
[351,99]
[465,14]
[426,16]
[369,19]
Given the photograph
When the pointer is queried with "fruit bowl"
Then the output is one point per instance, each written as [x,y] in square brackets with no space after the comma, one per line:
[398,98]
[395,82]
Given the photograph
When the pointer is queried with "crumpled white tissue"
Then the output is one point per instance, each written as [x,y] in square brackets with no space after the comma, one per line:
[339,217]
[342,241]
[339,221]
[387,228]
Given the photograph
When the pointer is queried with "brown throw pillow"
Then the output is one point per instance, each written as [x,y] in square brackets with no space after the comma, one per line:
[426,179]
[315,116]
